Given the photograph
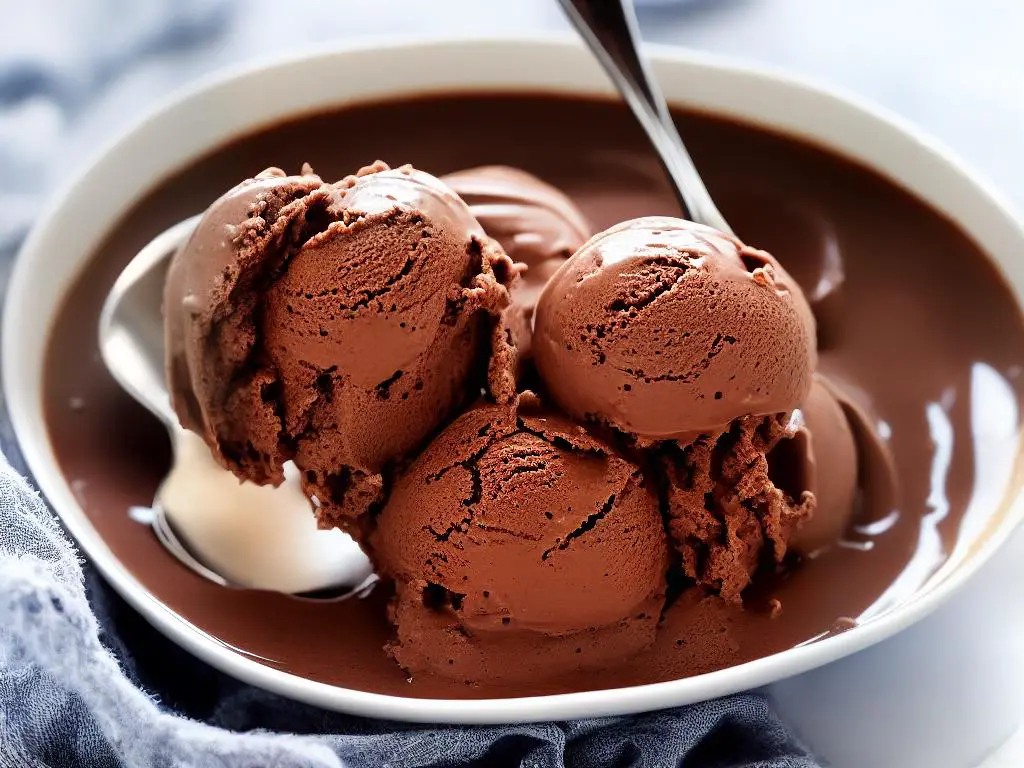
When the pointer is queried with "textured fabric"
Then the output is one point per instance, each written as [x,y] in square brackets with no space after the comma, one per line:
[84,680]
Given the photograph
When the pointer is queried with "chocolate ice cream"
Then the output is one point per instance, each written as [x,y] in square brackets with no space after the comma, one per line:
[680,335]
[336,325]
[207,273]
[821,458]
[536,224]
[894,329]
[518,531]
[666,330]
[726,514]
[539,227]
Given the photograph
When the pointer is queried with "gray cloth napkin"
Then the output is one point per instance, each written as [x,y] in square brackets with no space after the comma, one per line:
[83,680]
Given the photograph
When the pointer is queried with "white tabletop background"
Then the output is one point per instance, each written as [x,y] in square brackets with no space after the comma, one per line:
[948,693]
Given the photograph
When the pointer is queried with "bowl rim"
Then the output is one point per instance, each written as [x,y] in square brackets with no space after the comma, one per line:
[33,440]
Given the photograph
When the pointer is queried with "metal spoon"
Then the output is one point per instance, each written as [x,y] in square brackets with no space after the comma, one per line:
[610,30]
[131,341]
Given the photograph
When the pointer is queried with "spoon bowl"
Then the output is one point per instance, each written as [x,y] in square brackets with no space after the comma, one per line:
[131,329]
[199,502]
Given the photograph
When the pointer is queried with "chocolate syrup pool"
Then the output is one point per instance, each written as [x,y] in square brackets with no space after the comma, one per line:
[912,317]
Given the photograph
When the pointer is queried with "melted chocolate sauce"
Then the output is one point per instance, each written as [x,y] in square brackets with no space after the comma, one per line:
[911,314]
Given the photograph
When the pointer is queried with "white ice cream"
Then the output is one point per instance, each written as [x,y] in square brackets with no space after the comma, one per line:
[254,536]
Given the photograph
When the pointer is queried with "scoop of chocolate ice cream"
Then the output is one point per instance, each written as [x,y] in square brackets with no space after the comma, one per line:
[345,324]
[539,227]
[535,223]
[518,529]
[734,500]
[206,276]
[822,458]
[667,329]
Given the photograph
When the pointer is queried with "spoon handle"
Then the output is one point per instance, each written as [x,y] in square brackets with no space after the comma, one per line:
[610,30]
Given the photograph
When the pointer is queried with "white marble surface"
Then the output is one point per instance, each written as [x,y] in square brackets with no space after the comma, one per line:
[944,694]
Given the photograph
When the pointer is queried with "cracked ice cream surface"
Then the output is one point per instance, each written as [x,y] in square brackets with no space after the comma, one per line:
[346,326]
[666,329]
[730,507]
[516,520]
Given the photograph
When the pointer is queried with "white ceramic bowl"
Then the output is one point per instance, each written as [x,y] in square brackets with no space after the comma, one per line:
[219,109]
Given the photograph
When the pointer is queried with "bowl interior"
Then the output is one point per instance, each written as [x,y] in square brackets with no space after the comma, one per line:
[215,111]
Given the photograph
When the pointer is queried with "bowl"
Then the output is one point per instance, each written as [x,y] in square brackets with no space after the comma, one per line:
[214,111]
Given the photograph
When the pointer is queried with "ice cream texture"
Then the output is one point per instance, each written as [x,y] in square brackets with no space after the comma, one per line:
[379,332]
[536,224]
[336,325]
[516,525]
[539,227]
[727,514]
[666,330]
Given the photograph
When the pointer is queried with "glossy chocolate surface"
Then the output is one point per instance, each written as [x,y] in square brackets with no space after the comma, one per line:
[912,318]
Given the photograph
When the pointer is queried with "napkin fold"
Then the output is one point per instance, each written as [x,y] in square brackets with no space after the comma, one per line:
[84,680]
